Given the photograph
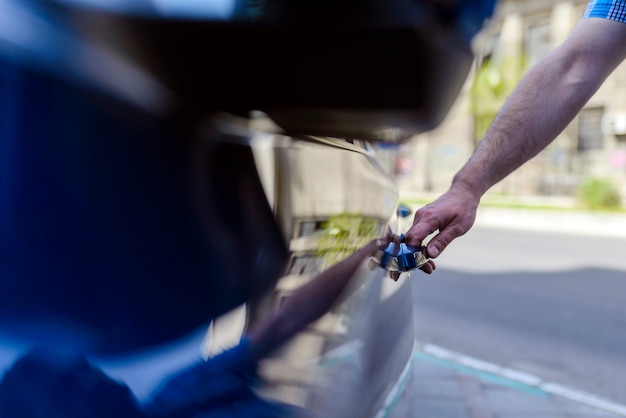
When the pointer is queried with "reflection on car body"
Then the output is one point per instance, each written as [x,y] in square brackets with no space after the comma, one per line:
[331,197]
[128,223]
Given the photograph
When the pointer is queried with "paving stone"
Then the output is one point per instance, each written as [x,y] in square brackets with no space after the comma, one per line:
[475,399]
[425,369]
[509,401]
[595,414]
[577,408]
[525,415]
[438,388]
[437,408]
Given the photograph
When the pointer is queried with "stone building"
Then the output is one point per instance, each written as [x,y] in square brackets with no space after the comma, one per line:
[592,146]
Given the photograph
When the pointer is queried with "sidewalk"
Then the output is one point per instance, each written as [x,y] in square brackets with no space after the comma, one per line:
[566,222]
[491,213]
[443,384]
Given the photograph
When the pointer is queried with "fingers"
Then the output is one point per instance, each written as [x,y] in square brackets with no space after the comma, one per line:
[455,228]
[425,222]
[439,243]
[420,230]
[427,268]
[450,216]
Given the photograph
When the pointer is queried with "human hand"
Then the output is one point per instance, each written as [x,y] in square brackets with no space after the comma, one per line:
[452,215]
[395,267]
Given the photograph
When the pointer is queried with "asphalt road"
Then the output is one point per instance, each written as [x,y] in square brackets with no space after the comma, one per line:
[549,304]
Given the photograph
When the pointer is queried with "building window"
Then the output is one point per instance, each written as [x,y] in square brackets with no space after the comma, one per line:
[590,129]
[538,41]
[309,228]
[306,264]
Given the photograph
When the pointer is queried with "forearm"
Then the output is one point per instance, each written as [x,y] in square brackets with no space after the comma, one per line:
[546,100]
[540,108]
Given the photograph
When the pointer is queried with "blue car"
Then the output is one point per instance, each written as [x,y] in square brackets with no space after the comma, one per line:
[191,196]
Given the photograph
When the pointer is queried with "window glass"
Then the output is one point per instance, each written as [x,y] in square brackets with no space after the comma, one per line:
[590,129]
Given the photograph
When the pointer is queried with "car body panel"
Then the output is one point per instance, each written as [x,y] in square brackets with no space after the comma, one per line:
[330,197]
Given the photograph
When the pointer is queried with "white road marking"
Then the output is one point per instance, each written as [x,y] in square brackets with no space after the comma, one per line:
[524,378]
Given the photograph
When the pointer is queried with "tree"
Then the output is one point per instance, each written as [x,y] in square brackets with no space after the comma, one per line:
[494,81]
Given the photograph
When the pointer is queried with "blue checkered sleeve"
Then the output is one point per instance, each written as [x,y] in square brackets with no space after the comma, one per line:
[607,9]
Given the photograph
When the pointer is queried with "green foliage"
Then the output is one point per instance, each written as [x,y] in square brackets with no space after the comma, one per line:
[598,193]
[344,234]
[491,86]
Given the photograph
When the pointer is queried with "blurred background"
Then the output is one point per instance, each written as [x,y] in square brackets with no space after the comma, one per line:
[585,166]
[537,286]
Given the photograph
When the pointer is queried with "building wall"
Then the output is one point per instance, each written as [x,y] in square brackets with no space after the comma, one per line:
[529,29]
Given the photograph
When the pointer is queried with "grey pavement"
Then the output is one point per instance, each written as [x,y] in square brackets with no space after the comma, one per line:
[449,386]
[567,220]
[440,388]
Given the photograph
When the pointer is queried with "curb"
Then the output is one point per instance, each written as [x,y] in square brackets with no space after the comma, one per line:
[521,378]
[566,222]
